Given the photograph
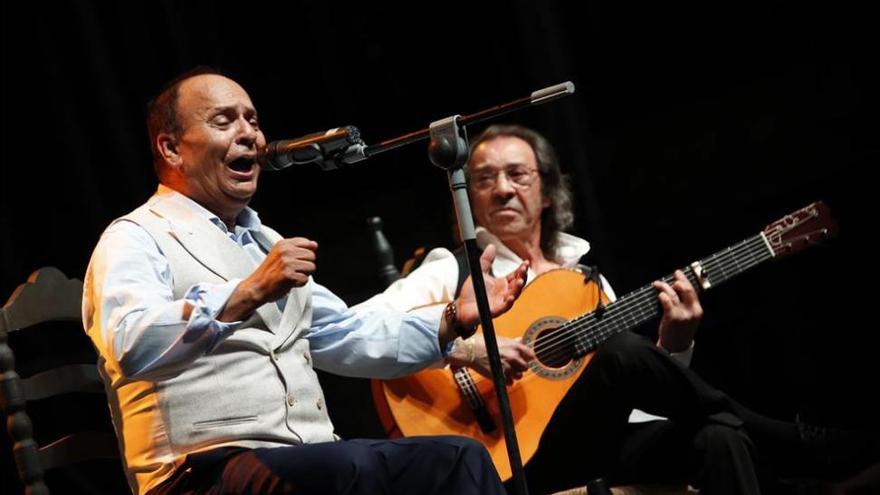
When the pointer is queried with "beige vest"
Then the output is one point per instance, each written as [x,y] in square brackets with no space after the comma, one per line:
[257,388]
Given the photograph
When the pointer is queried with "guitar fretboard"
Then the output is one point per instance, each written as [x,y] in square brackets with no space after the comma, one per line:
[585,333]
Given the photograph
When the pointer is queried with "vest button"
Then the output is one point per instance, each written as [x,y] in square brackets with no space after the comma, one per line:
[306,356]
[320,404]
[290,400]
[273,355]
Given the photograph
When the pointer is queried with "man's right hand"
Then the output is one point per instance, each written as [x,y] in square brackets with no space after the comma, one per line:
[515,356]
[288,265]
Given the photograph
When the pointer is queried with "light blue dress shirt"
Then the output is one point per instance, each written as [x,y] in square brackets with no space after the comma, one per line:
[147,332]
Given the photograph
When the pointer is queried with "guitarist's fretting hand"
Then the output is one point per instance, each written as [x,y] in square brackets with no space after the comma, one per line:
[681,313]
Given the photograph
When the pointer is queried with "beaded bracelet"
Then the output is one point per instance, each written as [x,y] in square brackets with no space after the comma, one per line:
[451,316]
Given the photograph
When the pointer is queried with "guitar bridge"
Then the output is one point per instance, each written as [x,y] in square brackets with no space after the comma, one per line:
[475,401]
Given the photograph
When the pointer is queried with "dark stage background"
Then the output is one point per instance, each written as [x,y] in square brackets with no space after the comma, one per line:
[692,127]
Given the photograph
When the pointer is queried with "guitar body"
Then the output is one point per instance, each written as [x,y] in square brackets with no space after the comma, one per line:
[431,402]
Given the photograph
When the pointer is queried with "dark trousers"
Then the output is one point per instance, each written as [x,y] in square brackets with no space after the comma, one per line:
[416,465]
[709,441]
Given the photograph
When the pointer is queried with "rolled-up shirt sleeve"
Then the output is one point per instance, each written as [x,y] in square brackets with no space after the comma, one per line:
[370,342]
[129,303]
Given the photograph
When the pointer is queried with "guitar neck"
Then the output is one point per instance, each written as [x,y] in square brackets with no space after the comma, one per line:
[641,305]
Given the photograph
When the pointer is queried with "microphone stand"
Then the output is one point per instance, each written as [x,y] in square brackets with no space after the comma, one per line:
[449,150]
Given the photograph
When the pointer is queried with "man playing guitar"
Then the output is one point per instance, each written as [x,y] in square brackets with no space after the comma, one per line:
[631,410]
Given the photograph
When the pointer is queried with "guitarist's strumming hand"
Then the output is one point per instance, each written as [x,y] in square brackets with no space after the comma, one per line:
[515,356]
[681,313]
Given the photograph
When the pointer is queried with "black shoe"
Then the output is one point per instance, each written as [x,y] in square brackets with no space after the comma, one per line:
[835,454]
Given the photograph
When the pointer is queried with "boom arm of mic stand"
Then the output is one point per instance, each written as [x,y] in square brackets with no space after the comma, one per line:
[538,97]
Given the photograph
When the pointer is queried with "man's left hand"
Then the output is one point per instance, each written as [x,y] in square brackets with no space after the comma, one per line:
[681,313]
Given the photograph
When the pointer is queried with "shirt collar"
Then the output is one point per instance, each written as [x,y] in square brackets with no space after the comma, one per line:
[569,249]
[248,219]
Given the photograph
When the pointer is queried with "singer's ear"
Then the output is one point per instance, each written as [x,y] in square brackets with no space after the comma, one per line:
[166,144]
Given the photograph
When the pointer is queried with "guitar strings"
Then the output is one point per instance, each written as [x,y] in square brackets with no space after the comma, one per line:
[733,258]
[638,306]
[755,252]
[648,293]
[645,296]
[629,306]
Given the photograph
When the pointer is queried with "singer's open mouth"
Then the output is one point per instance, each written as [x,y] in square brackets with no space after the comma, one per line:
[242,164]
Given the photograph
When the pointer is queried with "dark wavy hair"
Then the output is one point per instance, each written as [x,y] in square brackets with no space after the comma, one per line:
[555,185]
[162,112]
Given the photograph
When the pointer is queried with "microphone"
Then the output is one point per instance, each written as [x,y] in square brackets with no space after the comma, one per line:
[329,149]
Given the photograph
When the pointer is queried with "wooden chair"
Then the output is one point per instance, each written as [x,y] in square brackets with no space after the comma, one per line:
[60,383]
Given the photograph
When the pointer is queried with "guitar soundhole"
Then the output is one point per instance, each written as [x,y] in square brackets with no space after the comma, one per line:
[553,348]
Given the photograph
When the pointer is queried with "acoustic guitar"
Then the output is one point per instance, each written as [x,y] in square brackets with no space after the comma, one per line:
[560,316]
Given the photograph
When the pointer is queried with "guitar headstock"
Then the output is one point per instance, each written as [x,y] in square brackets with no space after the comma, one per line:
[800,229]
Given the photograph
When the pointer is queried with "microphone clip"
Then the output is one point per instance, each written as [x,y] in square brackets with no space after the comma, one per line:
[329,149]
